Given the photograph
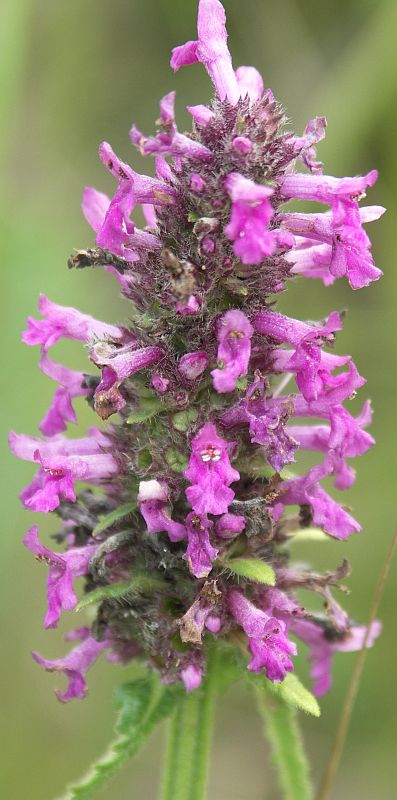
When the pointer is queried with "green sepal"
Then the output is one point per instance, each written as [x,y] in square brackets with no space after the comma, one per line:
[140,584]
[141,704]
[253,569]
[118,514]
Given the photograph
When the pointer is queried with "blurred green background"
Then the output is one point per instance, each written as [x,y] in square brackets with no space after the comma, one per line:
[76,72]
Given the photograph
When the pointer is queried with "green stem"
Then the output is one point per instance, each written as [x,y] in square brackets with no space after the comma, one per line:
[283,732]
[189,741]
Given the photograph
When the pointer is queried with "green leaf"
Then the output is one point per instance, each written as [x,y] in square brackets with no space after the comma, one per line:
[292,691]
[140,584]
[144,459]
[149,407]
[282,730]
[141,704]
[115,516]
[253,569]
[182,420]
[309,535]
[175,459]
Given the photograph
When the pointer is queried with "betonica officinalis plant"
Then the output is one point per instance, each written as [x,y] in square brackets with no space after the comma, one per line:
[179,506]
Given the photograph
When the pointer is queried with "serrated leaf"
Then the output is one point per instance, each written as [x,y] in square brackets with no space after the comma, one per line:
[253,569]
[141,704]
[140,584]
[294,693]
[149,407]
[115,516]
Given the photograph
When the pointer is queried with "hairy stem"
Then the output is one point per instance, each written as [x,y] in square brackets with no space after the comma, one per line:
[189,741]
[282,730]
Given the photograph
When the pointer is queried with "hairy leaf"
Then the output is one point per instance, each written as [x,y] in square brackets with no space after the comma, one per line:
[253,569]
[140,584]
[149,407]
[115,516]
[292,691]
[142,704]
[282,730]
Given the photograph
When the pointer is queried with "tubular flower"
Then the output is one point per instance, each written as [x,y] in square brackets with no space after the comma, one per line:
[192,468]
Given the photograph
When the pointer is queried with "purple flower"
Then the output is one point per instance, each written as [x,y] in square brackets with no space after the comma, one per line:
[344,438]
[169,141]
[63,568]
[61,322]
[118,363]
[160,384]
[251,213]
[311,375]
[210,473]
[229,525]
[304,146]
[269,646]
[192,677]
[345,248]
[250,83]
[307,491]
[324,188]
[267,424]
[241,144]
[61,410]
[75,664]
[234,336]
[211,50]
[192,365]
[200,553]
[322,649]
[62,461]
[201,114]
[153,499]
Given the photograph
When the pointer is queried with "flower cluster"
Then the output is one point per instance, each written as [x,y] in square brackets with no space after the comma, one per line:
[189,475]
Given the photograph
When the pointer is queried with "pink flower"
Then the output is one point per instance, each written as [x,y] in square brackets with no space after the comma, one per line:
[210,473]
[192,365]
[269,646]
[200,553]
[62,462]
[322,649]
[75,664]
[118,363]
[61,410]
[153,500]
[251,213]
[61,322]
[234,333]
[63,568]
[211,50]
